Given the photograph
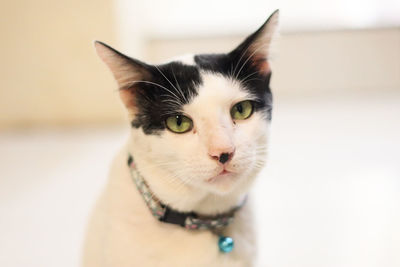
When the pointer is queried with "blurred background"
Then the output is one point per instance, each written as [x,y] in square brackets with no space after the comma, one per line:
[330,195]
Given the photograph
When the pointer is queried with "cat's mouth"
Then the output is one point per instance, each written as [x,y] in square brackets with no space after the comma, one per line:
[223,175]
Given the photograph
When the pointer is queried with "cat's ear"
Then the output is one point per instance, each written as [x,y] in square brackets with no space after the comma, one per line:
[255,49]
[127,71]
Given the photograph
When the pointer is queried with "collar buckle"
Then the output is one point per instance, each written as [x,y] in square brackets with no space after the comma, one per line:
[175,217]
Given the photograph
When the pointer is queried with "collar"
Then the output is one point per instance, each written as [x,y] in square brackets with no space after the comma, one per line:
[188,220]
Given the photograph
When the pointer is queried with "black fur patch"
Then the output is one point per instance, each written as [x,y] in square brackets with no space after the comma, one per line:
[172,85]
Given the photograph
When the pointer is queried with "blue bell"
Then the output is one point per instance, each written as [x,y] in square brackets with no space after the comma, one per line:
[225,244]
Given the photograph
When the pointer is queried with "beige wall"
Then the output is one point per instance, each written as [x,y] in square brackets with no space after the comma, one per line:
[49,73]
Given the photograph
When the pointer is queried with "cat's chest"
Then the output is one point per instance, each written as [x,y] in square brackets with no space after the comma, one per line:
[155,244]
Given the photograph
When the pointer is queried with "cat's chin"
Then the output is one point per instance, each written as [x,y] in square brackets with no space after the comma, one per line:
[223,183]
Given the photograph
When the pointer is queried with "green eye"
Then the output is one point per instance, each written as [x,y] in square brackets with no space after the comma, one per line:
[179,124]
[242,110]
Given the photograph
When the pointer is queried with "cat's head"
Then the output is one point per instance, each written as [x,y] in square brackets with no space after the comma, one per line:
[201,121]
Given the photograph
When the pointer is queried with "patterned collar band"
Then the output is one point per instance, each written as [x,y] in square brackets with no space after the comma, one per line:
[165,214]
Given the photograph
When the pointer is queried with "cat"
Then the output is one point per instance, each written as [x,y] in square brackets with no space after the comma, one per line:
[177,193]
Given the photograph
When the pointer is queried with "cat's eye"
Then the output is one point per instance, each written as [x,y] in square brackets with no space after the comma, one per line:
[179,124]
[242,110]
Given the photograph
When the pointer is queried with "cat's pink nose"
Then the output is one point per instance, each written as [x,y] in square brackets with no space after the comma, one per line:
[223,156]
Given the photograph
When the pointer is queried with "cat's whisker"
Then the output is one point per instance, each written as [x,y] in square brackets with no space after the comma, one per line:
[249,57]
[169,82]
[163,165]
[259,163]
[173,101]
[241,56]
[248,76]
[180,89]
[231,71]
[170,112]
[170,99]
[254,79]
[129,84]
[180,187]
[178,182]
[174,181]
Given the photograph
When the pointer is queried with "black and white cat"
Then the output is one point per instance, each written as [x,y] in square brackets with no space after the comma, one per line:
[177,191]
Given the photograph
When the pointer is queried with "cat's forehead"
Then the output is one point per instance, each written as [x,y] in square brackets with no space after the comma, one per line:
[217,90]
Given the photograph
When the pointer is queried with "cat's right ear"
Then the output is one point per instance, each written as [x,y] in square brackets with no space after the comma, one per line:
[255,49]
[127,71]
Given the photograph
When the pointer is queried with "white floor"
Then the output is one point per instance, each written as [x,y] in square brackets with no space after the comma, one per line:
[329,197]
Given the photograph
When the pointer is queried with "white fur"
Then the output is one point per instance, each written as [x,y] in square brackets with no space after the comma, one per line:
[187,59]
[176,166]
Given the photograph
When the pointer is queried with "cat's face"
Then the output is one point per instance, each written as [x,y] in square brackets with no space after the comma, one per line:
[202,120]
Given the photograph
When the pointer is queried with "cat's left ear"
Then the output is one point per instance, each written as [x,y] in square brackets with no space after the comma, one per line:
[255,49]
[127,72]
